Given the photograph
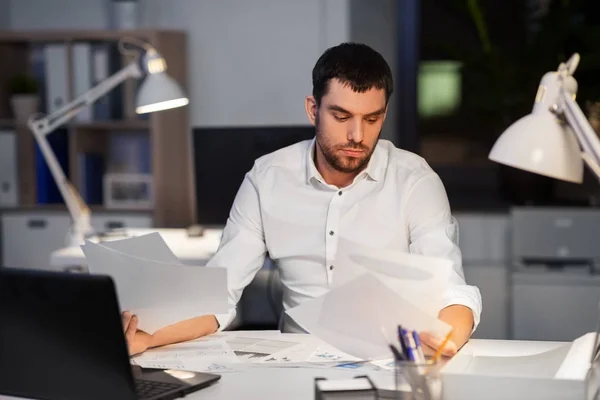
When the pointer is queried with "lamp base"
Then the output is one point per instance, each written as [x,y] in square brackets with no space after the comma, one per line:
[81,229]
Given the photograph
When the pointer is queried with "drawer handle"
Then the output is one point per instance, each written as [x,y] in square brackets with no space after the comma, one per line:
[114,225]
[37,223]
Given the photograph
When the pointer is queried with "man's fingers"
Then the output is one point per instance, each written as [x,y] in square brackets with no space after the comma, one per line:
[126,318]
[434,343]
[131,329]
[429,340]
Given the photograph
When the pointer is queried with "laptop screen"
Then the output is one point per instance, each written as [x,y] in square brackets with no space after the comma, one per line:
[61,337]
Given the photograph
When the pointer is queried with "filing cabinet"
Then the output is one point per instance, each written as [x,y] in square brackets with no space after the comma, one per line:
[29,237]
[483,239]
[555,273]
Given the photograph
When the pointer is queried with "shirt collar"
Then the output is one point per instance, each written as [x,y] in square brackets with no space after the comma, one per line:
[375,168]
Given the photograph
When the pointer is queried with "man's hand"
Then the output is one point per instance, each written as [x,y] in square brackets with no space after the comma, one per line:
[431,345]
[137,341]
[461,320]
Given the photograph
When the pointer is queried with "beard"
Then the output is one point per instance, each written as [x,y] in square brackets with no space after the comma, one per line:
[339,161]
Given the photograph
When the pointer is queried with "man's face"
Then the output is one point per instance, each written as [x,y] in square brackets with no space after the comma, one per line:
[347,125]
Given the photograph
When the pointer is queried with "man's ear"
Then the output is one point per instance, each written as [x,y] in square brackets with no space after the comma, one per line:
[310,105]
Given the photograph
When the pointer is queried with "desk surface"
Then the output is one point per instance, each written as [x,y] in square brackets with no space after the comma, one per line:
[298,383]
[190,250]
[256,383]
[277,383]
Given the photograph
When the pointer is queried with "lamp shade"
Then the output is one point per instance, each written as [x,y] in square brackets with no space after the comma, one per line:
[541,144]
[159,92]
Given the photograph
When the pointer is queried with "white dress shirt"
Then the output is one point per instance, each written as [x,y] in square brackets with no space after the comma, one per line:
[284,207]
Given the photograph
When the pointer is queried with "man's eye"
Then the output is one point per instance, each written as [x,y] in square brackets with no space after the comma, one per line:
[372,120]
[340,119]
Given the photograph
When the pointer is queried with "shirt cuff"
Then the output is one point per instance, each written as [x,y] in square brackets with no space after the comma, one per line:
[225,319]
[465,295]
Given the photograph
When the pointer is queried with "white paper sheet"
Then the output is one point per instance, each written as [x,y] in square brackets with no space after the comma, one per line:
[541,365]
[250,348]
[577,362]
[160,294]
[327,353]
[148,247]
[418,279]
[352,316]
[197,356]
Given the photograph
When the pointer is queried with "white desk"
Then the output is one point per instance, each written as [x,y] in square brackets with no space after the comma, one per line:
[190,250]
[298,383]
[275,383]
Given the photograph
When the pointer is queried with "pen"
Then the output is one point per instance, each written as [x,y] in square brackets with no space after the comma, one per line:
[403,344]
[410,345]
[419,347]
[397,355]
[438,353]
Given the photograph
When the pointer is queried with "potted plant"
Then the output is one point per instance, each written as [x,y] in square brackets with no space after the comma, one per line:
[25,99]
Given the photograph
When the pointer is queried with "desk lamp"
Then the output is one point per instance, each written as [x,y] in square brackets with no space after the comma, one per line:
[556,138]
[158,92]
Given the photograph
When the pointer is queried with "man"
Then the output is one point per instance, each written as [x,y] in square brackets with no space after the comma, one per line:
[346,184]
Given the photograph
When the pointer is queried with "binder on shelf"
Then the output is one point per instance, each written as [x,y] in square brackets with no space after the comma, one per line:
[129,152]
[56,80]
[82,77]
[8,169]
[91,167]
[100,71]
[46,188]
[106,60]
[37,61]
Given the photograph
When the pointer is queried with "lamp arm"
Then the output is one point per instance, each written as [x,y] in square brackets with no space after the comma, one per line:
[46,125]
[42,127]
[586,136]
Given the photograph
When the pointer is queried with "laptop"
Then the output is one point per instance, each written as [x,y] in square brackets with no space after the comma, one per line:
[61,337]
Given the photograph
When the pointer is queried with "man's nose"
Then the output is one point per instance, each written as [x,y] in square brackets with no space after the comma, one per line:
[356,131]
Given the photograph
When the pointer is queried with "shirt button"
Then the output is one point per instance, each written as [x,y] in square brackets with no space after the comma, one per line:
[331,233]
[331,267]
[340,192]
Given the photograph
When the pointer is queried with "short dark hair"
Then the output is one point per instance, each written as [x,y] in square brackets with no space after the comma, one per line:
[355,64]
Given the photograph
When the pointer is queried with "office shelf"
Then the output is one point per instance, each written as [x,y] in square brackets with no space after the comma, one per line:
[168,130]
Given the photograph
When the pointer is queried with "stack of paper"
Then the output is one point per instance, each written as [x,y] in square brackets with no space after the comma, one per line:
[239,350]
[522,370]
[153,284]
[199,356]
[373,292]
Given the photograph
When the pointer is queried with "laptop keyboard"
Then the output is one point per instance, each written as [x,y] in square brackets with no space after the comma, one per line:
[150,389]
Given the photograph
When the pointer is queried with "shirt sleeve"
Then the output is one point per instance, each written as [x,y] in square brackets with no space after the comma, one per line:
[434,232]
[242,249]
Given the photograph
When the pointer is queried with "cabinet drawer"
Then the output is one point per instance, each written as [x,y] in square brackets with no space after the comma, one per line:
[492,281]
[105,222]
[554,306]
[28,239]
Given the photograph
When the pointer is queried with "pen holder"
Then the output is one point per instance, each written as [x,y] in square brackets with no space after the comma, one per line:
[418,381]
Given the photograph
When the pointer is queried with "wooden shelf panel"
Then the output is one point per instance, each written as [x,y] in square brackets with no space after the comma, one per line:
[95,208]
[42,35]
[133,125]
[113,125]
[7,123]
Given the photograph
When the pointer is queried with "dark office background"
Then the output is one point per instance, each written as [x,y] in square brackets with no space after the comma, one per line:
[496,51]
[222,156]
[500,50]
